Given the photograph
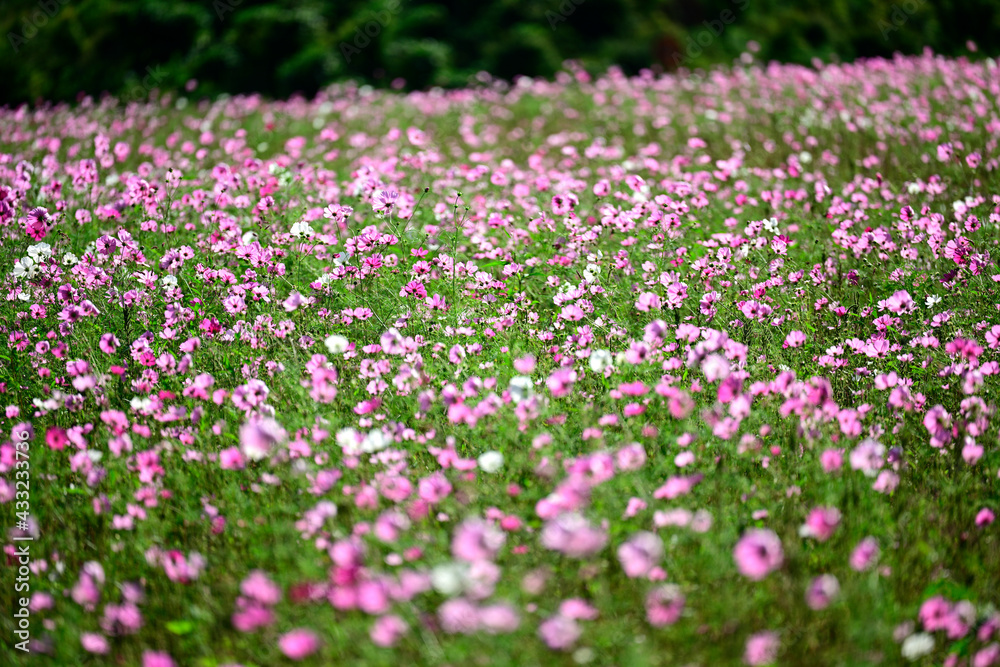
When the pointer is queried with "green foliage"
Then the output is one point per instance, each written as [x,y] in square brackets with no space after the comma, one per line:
[56,49]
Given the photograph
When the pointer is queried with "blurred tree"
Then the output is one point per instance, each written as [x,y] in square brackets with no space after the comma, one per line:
[56,49]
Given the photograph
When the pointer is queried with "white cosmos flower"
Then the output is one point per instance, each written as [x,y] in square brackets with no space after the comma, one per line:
[69,259]
[917,646]
[521,387]
[375,441]
[347,440]
[600,360]
[933,300]
[40,251]
[25,268]
[591,273]
[141,404]
[336,344]
[248,238]
[300,229]
[341,258]
[449,578]
[490,462]
[169,281]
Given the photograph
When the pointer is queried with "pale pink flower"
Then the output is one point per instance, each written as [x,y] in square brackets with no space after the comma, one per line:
[93,642]
[458,616]
[559,633]
[475,540]
[761,649]
[664,605]
[259,436]
[822,591]
[641,553]
[387,630]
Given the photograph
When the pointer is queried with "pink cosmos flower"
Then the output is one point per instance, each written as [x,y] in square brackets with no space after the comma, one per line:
[458,616]
[499,618]
[865,554]
[571,534]
[231,459]
[664,605]
[387,630]
[157,659]
[761,649]
[640,554]
[259,436]
[298,644]
[250,616]
[822,591]
[561,381]
[821,523]
[758,553]
[525,365]
[476,540]
[578,609]
[258,586]
[434,488]
[868,457]
[93,642]
[795,339]
[715,367]
[832,459]
[559,633]
[648,301]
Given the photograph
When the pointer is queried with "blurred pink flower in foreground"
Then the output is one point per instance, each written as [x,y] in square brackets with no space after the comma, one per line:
[758,553]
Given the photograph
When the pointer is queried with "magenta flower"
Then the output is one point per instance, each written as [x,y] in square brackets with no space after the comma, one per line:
[298,644]
[758,553]
[258,586]
[821,523]
[157,659]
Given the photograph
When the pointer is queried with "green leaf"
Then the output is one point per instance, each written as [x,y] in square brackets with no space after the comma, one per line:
[181,627]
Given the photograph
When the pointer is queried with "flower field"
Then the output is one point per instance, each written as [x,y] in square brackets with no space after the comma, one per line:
[670,370]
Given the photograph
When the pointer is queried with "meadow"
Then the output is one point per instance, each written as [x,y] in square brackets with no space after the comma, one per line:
[693,369]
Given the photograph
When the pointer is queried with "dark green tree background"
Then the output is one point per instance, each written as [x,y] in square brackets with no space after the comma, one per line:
[56,49]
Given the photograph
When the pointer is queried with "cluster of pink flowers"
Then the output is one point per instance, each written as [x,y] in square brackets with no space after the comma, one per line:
[429,382]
